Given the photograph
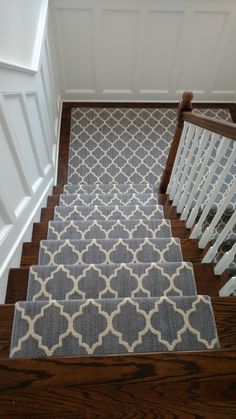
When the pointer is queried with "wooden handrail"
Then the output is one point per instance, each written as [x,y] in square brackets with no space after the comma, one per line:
[216,125]
[219,126]
[185,106]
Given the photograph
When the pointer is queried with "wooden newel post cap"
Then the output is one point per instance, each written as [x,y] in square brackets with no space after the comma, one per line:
[184,105]
[187,98]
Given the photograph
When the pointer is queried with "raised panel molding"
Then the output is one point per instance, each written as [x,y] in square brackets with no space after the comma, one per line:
[29,136]
[146,50]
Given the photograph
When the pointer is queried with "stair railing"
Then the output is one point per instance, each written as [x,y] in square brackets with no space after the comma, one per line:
[205,154]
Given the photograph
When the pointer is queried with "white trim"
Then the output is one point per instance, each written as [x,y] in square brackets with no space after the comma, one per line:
[15,67]
[60,105]
[40,36]
[144,101]
[38,44]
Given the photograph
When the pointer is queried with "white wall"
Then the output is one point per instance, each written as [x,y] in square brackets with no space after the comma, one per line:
[21,30]
[29,120]
[146,50]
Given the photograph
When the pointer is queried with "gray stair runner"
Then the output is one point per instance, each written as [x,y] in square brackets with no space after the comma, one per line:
[71,252]
[113,229]
[65,282]
[115,188]
[113,326]
[108,199]
[110,278]
[110,212]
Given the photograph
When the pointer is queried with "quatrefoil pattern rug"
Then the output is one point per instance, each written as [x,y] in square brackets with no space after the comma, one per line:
[111,281]
[73,252]
[111,212]
[122,145]
[95,327]
[113,229]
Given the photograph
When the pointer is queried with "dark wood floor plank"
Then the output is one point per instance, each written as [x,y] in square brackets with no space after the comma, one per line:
[17,285]
[6,319]
[64,145]
[185,385]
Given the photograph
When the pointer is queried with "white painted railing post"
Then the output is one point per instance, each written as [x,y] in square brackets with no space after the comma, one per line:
[225,261]
[194,212]
[210,229]
[229,288]
[212,252]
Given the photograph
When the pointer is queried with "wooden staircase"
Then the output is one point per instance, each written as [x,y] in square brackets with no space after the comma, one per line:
[148,385]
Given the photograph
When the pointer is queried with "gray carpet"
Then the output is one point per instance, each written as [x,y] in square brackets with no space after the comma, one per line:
[108,199]
[122,145]
[64,282]
[111,212]
[111,326]
[113,229]
[72,252]
[115,188]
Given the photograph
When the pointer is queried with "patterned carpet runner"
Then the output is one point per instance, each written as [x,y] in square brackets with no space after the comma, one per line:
[111,278]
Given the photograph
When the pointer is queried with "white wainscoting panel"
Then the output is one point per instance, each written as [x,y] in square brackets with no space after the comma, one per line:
[21,138]
[146,50]
[29,131]
[121,50]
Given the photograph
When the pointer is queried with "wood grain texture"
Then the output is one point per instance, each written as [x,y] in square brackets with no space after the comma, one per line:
[6,319]
[219,126]
[17,285]
[64,145]
[185,385]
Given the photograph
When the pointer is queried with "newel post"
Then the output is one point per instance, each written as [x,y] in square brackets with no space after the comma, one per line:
[184,105]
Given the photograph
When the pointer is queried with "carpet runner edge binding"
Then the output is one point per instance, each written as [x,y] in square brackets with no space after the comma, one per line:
[114,295]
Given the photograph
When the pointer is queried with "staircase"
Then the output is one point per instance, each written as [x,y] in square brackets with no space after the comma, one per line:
[111,270]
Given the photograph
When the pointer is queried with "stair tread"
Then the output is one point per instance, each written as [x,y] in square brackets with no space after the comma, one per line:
[109,251]
[224,312]
[65,282]
[111,212]
[18,281]
[108,199]
[100,326]
[109,229]
[113,187]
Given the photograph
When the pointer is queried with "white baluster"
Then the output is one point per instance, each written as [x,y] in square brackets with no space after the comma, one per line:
[197,182]
[194,212]
[170,189]
[225,261]
[229,288]
[210,229]
[212,252]
[182,163]
[216,188]
[187,168]
[202,142]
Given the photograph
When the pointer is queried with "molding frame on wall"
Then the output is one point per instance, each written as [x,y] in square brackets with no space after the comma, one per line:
[33,68]
[192,56]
